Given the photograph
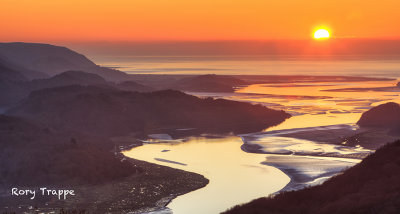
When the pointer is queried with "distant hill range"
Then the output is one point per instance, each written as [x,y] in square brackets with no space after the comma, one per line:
[68,78]
[43,60]
[102,110]
[14,87]
[8,73]
[208,83]
[17,70]
[369,187]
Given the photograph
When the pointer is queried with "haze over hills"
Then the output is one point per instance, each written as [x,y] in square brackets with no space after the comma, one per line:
[27,74]
[15,87]
[68,78]
[208,83]
[53,60]
[110,112]
[14,90]
[8,73]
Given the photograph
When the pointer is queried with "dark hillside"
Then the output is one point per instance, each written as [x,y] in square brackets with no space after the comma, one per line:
[110,112]
[31,155]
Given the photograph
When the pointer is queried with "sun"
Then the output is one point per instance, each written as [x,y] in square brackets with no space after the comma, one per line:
[321,34]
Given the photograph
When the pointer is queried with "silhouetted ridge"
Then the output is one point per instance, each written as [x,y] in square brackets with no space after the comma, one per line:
[382,116]
[32,155]
[108,111]
[53,60]
[68,78]
[13,91]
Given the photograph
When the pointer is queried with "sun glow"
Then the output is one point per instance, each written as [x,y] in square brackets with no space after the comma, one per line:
[321,34]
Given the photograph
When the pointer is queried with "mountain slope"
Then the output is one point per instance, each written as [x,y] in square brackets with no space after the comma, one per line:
[53,60]
[15,67]
[113,112]
[32,155]
[371,187]
[67,78]
[11,89]
[8,73]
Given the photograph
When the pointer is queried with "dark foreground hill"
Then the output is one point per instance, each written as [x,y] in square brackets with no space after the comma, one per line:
[31,155]
[110,112]
[385,116]
[53,60]
[371,187]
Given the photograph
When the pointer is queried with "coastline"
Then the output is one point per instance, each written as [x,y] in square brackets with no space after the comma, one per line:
[302,174]
[299,178]
[305,168]
[153,189]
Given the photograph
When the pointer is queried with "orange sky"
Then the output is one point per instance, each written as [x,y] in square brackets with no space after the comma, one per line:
[132,20]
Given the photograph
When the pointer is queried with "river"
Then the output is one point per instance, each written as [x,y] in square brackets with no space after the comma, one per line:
[237,176]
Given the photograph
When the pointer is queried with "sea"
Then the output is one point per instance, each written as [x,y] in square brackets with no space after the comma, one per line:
[252,65]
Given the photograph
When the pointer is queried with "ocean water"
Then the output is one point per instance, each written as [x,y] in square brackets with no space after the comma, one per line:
[250,65]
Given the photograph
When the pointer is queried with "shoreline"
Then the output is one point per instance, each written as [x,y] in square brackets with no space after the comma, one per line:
[298,179]
[298,176]
[153,189]
[295,164]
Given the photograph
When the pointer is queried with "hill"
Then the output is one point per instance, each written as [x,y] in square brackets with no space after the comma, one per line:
[370,187]
[27,74]
[15,88]
[108,111]
[67,78]
[13,91]
[7,73]
[32,155]
[133,86]
[385,116]
[53,60]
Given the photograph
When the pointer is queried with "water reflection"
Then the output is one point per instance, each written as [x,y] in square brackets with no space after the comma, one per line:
[235,176]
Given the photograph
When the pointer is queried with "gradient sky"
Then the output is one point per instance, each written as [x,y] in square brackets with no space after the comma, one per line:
[137,20]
